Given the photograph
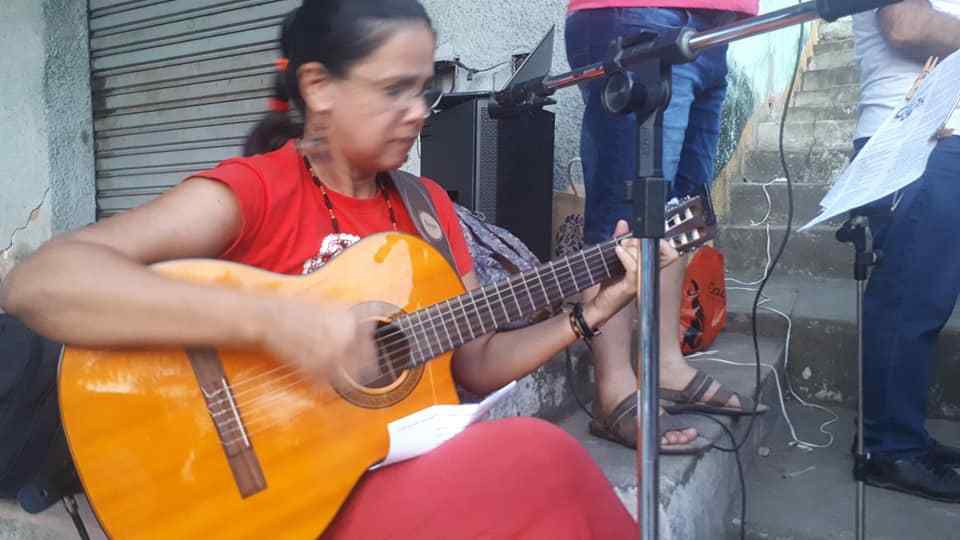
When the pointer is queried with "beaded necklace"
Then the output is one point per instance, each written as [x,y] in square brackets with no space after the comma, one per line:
[329,203]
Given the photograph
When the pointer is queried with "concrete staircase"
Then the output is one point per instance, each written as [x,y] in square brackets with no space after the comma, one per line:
[817,146]
[815,267]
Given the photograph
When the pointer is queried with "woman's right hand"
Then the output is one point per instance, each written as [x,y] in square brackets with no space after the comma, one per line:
[318,339]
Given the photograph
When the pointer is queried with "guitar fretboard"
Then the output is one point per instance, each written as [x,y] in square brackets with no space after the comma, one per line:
[445,326]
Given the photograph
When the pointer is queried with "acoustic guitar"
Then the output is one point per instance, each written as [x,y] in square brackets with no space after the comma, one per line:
[204,443]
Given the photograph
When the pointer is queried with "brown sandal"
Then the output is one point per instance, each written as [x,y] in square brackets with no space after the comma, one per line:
[690,399]
[620,426]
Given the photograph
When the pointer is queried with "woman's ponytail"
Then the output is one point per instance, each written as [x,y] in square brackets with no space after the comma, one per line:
[277,127]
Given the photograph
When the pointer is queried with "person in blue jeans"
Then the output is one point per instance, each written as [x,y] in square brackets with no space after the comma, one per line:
[690,135]
[912,292]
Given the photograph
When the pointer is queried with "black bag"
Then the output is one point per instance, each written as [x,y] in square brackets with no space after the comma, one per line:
[35,464]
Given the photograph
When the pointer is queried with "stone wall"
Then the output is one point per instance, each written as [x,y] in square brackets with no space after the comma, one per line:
[46,159]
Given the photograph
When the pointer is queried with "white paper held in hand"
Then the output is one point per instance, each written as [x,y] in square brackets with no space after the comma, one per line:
[424,430]
[897,154]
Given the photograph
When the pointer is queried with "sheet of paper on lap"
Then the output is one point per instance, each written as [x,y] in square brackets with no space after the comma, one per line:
[422,431]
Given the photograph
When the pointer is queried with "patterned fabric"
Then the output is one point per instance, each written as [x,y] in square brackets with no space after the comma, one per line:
[568,239]
[497,254]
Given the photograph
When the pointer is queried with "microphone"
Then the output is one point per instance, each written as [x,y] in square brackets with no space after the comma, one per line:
[831,10]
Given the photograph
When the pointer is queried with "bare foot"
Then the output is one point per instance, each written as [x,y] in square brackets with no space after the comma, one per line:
[676,438]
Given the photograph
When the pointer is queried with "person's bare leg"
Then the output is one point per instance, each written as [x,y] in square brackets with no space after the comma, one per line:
[675,372]
[615,377]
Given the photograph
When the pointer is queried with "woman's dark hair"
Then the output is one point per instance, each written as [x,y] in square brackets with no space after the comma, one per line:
[335,33]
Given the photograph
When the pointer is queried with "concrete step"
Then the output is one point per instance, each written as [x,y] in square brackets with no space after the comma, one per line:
[816,136]
[839,30]
[811,166]
[822,79]
[808,254]
[838,58]
[843,97]
[813,114]
[800,495]
[824,47]
[698,495]
[823,347]
[53,524]
[749,204]
[545,393]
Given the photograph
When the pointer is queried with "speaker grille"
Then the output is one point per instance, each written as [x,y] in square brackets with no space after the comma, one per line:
[487,161]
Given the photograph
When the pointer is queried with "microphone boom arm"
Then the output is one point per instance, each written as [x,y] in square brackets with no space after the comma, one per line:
[676,47]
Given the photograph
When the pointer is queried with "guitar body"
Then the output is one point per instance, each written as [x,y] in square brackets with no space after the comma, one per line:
[267,454]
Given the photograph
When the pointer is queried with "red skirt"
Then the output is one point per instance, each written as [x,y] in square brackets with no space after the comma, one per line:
[513,478]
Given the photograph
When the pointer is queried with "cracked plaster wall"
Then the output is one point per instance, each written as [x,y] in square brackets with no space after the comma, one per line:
[46,159]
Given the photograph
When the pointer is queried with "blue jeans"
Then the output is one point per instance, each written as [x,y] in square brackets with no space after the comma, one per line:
[691,122]
[909,298]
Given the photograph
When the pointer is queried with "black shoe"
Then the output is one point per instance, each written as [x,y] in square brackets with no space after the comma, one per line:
[921,474]
[948,455]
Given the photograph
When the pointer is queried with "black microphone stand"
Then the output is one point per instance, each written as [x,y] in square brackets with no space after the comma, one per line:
[638,73]
[856,231]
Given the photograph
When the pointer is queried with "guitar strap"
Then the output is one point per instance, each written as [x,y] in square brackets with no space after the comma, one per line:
[417,200]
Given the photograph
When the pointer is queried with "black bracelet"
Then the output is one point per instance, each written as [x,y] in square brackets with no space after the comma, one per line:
[579,324]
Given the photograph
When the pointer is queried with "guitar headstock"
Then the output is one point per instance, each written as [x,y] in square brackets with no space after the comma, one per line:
[689,225]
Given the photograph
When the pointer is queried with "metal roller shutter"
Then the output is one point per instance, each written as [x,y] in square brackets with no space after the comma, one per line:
[176,86]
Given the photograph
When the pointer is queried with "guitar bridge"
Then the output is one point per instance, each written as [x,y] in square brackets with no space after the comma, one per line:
[226,416]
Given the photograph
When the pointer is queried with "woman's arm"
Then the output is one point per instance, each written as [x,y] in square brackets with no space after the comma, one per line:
[918,31]
[92,288]
[494,360]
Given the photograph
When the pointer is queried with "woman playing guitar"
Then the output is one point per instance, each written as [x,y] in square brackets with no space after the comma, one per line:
[357,71]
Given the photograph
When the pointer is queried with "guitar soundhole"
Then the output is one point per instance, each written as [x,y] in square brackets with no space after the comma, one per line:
[393,354]
[387,380]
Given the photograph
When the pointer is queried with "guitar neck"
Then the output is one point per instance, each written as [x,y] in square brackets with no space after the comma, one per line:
[445,326]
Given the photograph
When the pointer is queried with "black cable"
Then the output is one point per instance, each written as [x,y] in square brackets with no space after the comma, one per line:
[72,508]
[743,483]
[573,387]
[474,71]
[783,243]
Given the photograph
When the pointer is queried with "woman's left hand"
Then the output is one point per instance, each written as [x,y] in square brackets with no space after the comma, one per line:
[617,292]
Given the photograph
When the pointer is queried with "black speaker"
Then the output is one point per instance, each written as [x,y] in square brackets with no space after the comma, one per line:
[502,168]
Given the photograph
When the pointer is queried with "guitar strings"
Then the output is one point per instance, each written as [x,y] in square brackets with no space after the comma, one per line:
[675,221]
[419,328]
[414,337]
[255,424]
[251,408]
[390,353]
[510,285]
[396,364]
